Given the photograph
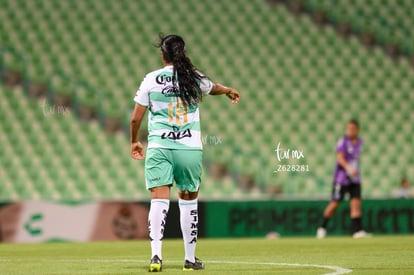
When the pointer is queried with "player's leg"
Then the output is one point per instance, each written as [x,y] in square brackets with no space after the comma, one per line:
[330,210]
[158,176]
[187,174]
[356,212]
[157,218]
[327,215]
[338,192]
[355,206]
[188,204]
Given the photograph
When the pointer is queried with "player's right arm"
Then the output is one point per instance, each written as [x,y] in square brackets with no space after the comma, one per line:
[141,104]
[137,150]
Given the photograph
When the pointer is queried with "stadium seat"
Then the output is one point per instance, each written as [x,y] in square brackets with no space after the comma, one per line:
[299,84]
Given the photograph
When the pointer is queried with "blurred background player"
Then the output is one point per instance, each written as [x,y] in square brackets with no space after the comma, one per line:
[347,180]
[404,192]
[174,150]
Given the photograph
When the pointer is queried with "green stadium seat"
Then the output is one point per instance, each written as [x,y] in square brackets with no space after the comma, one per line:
[299,85]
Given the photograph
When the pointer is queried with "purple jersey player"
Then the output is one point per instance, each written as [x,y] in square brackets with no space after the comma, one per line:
[351,149]
[347,180]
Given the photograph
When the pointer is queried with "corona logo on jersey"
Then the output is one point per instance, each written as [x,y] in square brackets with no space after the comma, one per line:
[163,79]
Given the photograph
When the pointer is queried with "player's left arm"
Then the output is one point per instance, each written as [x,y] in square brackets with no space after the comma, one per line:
[219,89]
[137,150]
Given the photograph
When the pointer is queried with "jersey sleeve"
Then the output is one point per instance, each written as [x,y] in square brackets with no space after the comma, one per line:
[206,85]
[142,95]
[340,145]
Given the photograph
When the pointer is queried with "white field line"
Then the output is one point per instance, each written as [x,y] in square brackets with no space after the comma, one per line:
[337,270]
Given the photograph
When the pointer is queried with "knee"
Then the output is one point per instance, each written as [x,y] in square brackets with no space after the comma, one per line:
[355,204]
[162,192]
[187,195]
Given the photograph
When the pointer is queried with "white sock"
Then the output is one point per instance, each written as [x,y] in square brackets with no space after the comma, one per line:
[157,218]
[189,226]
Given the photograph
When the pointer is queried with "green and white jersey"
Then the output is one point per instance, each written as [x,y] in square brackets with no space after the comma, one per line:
[172,124]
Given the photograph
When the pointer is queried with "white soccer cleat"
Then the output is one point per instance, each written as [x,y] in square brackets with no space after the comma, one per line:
[361,234]
[321,233]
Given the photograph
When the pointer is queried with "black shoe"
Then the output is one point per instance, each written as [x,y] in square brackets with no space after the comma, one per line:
[155,264]
[197,265]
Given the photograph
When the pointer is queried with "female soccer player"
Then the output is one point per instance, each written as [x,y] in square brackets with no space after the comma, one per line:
[346,180]
[174,152]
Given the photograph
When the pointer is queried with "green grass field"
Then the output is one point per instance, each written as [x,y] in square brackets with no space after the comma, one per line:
[377,255]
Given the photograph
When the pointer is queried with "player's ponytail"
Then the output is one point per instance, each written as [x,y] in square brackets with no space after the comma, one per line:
[184,72]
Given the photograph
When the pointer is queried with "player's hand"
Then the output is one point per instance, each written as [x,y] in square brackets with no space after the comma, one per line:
[234,95]
[137,150]
[352,171]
